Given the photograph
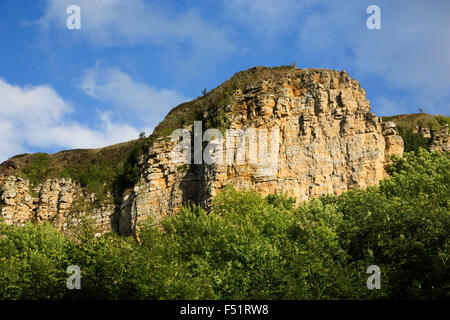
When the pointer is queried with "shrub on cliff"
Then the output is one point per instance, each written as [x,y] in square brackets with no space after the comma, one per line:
[37,168]
[412,140]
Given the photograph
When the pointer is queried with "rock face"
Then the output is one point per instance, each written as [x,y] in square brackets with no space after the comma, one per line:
[18,204]
[439,140]
[329,142]
[315,124]
[58,200]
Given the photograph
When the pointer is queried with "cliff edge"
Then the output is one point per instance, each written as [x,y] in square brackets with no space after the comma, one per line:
[284,130]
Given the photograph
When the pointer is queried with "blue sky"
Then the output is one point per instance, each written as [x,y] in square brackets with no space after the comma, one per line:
[133,60]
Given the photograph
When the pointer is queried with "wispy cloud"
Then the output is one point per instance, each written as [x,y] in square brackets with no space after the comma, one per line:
[410,52]
[37,117]
[130,100]
[268,18]
[110,23]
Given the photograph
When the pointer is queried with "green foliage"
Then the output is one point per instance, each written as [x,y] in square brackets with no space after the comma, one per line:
[281,201]
[38,168]
[117,171]
[413,140]
[408,123]
[249,247]
[210,107]
[418,120]
[93,177]
[110,169]
[131,170]
[443,120]
[218,119]
[33,261]
[403,226]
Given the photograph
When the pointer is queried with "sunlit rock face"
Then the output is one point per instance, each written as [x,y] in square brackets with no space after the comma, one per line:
[328,142]
[60,201]
[300,132]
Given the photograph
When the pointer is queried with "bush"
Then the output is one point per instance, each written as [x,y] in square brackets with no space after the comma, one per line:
[33,261]
[413,140]
[37,168]
[403,226]
[249,247]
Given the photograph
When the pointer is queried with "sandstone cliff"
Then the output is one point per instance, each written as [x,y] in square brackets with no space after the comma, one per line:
[329,142]
[60,201]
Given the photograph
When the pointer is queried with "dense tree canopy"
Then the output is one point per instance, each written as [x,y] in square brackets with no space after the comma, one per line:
[249,247]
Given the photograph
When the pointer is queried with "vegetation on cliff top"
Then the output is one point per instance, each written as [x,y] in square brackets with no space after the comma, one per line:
[96,170]
[424,120]
[251,247]
[211,106]
[408,123]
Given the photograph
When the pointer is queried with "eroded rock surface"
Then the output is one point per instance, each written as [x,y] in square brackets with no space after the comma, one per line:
[60,201]
[328,142]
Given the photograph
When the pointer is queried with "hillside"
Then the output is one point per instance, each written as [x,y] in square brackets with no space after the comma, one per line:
[332,193]
[330,142]
[97,170]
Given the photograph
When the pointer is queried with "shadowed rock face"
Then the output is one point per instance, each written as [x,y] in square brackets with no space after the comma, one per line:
[328,142]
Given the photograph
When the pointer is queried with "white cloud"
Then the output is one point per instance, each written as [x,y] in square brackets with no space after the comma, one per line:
[410,53]
[114,22]
[132,101]
[266,18]
[37,117]
[413,47]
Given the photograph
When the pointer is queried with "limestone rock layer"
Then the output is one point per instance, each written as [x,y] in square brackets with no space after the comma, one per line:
[328,142]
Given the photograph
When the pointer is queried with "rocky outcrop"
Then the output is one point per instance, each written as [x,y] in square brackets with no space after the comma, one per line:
[422,130]
[329,142]
[313,131]
[17,203]
[439,140]
[60,201]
